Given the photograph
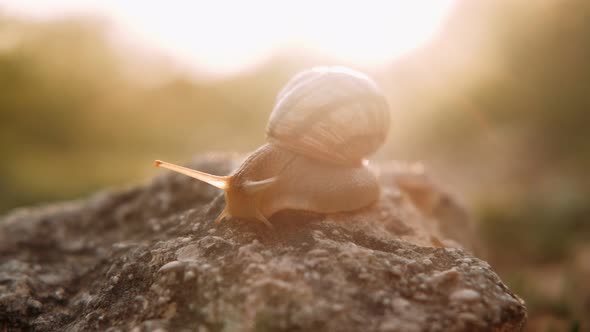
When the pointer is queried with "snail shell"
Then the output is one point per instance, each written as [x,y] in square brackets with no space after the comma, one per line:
[333,114]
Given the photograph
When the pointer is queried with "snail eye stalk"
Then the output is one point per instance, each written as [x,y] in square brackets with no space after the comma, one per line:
[220,182]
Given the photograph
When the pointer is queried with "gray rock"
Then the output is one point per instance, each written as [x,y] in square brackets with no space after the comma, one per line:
[150,259]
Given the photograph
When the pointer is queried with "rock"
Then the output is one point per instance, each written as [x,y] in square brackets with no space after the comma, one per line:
[149,258]
[465,295]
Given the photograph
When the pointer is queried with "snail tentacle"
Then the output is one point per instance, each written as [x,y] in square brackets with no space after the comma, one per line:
[222,215]
[220,182]
[257,186]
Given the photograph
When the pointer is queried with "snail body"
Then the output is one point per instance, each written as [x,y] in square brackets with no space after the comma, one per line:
[326,121]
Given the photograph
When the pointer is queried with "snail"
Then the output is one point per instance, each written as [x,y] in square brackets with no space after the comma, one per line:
[325,123]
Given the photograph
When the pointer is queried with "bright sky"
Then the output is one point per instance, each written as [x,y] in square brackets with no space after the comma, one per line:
[223,36]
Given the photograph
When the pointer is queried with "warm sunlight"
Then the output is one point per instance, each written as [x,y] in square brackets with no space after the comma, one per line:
[221,37]
[325,165]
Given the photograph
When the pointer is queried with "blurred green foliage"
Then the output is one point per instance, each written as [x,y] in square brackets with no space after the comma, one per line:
[498,107]
[77,115]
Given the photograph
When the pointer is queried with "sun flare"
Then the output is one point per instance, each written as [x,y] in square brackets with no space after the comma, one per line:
[223,37]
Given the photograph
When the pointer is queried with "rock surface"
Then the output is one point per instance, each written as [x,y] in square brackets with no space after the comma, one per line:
[150,259]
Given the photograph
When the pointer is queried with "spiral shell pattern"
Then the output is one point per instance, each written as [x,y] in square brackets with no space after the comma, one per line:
[333,114]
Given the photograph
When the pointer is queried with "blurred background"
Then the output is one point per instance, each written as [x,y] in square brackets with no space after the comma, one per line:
[492,96]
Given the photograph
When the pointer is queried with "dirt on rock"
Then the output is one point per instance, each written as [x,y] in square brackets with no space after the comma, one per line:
[149,258]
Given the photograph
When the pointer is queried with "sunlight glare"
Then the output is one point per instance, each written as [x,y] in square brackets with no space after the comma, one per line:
[223,37]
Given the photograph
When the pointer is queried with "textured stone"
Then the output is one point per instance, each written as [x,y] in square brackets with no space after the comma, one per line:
[149,258]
